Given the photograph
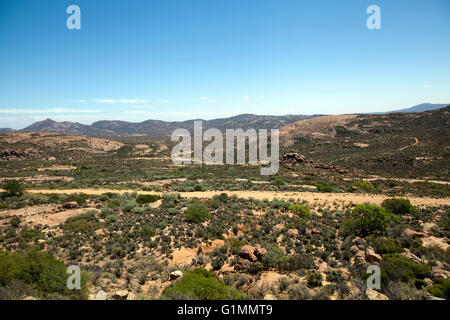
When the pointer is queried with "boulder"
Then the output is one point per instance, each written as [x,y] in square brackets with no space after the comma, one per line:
[247,252]
[293,232]
[120,295]
[176,274]
[259,251]
[360,257]
[412,257]
[101,295]
[70,205]
[375,295]
[439,273]
[413,234]
[279,227]
[372,256]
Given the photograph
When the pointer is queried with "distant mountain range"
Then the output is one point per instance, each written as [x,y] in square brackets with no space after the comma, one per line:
[419,108]
[158,128]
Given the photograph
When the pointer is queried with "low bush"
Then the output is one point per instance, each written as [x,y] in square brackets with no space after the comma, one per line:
[399,206]
[300,210]
[201,284]
[147,198]
[197,213]
[13,188]
[43,273]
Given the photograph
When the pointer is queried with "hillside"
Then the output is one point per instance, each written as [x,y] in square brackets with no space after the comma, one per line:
[44,146]
[391,144]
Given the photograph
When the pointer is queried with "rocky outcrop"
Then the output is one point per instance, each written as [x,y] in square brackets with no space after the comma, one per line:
[247,252]
[412,257]
[371,255]
[375,295]
[413,234]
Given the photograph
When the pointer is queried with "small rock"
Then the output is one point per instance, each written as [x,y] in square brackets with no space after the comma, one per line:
[101,295]
[259,251]
[120,295]
[131,296]
[270,297]
[360,257]
[70,205]
[176,274]
[293,232]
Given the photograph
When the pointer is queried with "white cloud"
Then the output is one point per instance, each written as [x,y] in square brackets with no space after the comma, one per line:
[143,107]
[120,100]
[38,111]
[212,101]
[245,97]
[204,98]
[428,86]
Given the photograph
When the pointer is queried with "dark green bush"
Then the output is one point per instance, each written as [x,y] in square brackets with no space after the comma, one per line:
[197,213]
[40,271]
[399,206]
[13,188]
[383,245]
[301,210]
[395,267]
[314,280]
[365,186]
[441,290]
[147,198]
[201,284]
[368,220]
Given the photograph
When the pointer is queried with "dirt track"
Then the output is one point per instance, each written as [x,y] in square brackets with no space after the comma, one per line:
[260,195]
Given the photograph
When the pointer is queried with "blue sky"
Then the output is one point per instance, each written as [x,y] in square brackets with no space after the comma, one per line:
[182,59]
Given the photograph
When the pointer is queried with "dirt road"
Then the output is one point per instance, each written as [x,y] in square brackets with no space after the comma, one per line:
[261,195]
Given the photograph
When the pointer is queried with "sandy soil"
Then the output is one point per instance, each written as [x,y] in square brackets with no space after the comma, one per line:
[270,195]
[44,214]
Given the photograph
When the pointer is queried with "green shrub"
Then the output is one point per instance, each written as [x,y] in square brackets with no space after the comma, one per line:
[130,205]
[441,290]
[395,267]
[200,284]
[383,245]
[365,186]
[198,187]
[324,187]
[301,210]
[148,231]
[399,206]
[197,213]
[39,270]
[112,218]
[105,212]
[147,198]
[15,221]
[368,220]
[13,188]
[446,225]
[314,280]
[84,223]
